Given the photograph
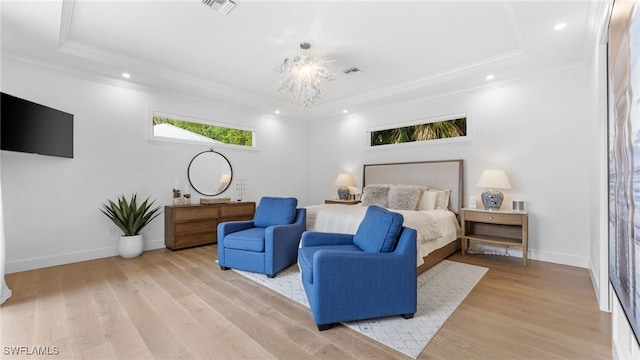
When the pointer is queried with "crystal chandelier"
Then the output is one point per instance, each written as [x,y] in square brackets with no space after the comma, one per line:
[302,76]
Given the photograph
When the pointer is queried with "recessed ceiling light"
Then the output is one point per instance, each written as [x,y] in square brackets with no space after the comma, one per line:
[126,75]
[560,26]
[277,112]
[490,77]
[345,111]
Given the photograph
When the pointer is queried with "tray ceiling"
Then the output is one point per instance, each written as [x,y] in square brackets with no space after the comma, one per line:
[403,49]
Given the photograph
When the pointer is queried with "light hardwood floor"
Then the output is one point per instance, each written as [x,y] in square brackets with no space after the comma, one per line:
[170,305]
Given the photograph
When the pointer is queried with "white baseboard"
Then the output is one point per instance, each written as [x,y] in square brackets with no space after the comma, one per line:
[547,256]
[68,258]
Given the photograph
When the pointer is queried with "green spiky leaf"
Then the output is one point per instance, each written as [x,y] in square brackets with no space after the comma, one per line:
[128,216]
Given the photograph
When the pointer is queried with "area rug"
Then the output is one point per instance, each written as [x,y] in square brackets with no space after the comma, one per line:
[440,290]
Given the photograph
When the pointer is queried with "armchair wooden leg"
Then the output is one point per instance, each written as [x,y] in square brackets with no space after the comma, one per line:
[324,327]
[408,316]
[224,268]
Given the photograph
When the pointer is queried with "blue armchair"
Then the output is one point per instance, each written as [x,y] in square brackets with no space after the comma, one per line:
[268,243]
[367,275]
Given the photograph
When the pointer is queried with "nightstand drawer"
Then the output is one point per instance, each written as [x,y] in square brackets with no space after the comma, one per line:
[493,218]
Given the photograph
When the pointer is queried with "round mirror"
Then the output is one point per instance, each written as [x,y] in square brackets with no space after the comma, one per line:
[210,173]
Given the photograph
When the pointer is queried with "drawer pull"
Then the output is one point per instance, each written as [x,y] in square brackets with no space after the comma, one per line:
[490,217]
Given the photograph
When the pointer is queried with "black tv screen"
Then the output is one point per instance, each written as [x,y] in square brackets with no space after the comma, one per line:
[33,128]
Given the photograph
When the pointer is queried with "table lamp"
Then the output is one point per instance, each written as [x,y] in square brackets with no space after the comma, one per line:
[493,179]
[343,181]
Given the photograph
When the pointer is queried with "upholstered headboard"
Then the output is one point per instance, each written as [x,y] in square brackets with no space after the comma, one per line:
[441,174]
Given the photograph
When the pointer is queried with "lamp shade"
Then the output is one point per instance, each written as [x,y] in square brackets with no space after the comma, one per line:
[493,179]
[344,180]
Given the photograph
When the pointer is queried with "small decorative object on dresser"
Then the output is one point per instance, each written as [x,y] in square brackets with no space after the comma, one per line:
[194,225]
[496,227]
[241,187]
[493,179]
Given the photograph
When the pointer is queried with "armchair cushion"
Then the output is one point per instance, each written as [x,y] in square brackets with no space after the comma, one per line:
[249,240]
[275,211]
[305,257]
[379,230]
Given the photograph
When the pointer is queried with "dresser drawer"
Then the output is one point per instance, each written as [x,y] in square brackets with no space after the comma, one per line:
[192,227]
[493,218]
[195,212]
[243,210]
[184,241]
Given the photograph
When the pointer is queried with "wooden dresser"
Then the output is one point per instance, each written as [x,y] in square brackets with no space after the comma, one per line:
[194,225]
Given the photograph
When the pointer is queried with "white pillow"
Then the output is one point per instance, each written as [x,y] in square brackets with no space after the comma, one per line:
[427,201]
[442,198]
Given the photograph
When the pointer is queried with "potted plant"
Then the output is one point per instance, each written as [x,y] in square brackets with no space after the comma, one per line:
[131,218]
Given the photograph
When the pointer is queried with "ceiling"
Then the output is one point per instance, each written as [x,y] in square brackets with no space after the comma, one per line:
[404,49]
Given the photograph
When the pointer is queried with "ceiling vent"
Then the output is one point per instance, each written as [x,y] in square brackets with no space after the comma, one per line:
[351,70]
[221,6]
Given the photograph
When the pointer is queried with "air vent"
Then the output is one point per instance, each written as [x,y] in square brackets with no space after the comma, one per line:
[221,6]
[351,70]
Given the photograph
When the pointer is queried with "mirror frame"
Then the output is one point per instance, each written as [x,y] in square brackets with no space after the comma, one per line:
[189,172]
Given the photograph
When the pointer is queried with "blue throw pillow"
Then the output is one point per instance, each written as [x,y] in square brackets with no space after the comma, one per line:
[379,230]
[275,211]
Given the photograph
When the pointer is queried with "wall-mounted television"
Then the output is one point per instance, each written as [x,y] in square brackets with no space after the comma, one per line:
[33,128]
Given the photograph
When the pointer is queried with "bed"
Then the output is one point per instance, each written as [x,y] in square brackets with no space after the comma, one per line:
[438,228]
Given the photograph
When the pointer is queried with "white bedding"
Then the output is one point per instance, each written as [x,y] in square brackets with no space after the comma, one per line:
[435,228]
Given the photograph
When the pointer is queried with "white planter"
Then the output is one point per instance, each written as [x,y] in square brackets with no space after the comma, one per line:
[130,246]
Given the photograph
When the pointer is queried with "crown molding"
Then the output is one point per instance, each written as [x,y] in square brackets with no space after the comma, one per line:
[597,28]
[243,109]
[510,58]
[260,102]
[460,92]
[184,84]
[82,50]
[518,55]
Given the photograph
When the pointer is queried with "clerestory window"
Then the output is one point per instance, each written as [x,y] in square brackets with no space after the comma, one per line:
[178,128]
[435,129]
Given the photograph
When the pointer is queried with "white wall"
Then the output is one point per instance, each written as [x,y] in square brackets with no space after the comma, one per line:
[623,342]
[598,225]
[539,130]
[51,204]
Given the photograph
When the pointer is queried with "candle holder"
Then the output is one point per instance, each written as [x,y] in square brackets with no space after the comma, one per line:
[241,187]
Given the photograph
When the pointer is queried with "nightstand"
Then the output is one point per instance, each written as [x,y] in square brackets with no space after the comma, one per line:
[343,202]
[496,227]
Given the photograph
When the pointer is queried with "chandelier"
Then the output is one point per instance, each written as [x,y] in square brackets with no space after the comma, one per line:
[303,75]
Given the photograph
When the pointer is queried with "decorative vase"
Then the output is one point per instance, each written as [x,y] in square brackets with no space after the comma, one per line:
[130,246]
[492,200]
[343,193]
